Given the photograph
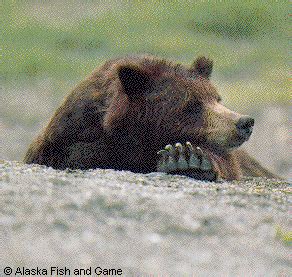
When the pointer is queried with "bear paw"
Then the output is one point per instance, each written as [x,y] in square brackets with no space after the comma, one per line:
[186,160]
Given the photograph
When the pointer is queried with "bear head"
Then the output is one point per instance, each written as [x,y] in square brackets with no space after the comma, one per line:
[168,103]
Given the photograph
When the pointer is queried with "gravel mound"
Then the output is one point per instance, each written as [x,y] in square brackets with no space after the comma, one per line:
[143,224]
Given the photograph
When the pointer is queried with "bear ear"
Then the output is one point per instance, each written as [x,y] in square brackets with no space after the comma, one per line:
[133,80]
[202,67]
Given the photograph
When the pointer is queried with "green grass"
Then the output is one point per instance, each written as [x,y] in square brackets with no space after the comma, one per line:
[248,41]
[284,236]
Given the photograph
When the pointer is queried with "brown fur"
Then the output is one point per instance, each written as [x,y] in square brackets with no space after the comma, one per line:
[129,108]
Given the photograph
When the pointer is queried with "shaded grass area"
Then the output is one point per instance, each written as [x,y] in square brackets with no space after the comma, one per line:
[247,41]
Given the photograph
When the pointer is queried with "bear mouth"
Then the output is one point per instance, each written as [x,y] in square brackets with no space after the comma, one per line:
[235,144]
[238,141]
[227,146]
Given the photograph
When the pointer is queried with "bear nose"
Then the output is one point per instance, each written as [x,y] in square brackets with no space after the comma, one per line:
[244,126]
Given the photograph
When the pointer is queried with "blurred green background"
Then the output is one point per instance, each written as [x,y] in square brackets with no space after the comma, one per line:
[49,46]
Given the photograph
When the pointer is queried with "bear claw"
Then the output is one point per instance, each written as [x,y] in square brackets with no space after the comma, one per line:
[180,158]
[182,163]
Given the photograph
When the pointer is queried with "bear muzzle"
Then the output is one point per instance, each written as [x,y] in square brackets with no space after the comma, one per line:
[227,129]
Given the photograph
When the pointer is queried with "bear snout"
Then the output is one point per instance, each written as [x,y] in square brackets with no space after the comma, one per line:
[244,127]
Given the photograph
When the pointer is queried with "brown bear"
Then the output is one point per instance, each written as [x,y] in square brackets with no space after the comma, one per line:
[145,114]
